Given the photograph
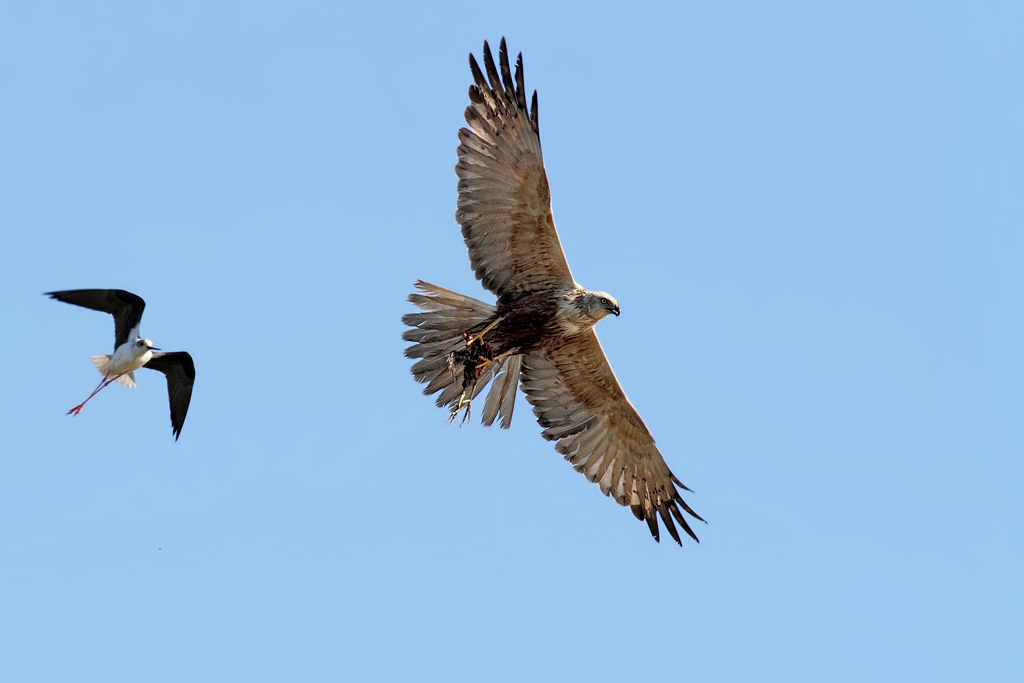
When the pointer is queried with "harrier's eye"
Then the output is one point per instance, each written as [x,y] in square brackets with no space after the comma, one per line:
[603,300]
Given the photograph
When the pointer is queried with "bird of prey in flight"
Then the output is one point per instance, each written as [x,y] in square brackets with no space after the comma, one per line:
[539,335]
[132,352]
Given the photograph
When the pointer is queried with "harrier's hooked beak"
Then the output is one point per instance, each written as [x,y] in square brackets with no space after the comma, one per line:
[615,310]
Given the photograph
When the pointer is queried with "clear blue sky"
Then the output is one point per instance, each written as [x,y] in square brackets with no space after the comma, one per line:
[812,217]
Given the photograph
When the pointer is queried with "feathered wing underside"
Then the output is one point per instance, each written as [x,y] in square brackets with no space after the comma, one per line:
[126,308]
[504,203]
[581,406]
[437,332]
[181,375]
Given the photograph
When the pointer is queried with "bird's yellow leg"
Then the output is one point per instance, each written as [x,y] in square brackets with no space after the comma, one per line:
[484,362]
[462,402]
[480,337]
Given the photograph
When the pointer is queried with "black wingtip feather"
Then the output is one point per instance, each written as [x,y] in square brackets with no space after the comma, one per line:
[679,483]
[492,71]
[652,524]
[506,70]
[690,510]
[682,521]
[478,75]
[520,84]
[533,114]
[666,518]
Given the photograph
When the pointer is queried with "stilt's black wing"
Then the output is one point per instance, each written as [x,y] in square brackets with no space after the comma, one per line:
[181,375]
[124,306]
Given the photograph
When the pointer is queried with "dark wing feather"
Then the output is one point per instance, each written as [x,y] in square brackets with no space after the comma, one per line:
[502,397]
[181,375]
[581,406]
[124,306]
[504,202]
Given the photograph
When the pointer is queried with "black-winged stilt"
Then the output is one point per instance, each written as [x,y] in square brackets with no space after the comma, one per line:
[132,352]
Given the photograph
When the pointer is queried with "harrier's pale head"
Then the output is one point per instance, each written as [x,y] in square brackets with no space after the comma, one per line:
[583,308]
[598,304]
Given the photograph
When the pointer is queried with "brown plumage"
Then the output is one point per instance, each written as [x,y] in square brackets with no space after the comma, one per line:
[540,334]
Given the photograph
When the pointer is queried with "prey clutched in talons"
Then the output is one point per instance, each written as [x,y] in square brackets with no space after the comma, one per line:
[474,359]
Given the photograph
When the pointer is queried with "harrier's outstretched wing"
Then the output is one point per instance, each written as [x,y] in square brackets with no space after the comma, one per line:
[578,401]
[181,375]
[504,202]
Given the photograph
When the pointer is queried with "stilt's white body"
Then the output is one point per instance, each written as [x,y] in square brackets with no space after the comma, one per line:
[127,358]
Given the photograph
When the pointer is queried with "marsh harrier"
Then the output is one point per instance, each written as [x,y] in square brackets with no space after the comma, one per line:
[539,335]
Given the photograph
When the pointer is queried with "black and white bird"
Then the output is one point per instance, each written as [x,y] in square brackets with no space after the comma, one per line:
[132,352]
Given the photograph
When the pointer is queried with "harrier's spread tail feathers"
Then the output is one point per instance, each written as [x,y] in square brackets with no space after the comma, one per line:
[437,333]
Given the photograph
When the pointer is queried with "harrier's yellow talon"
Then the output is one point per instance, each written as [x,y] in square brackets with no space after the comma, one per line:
[480,337]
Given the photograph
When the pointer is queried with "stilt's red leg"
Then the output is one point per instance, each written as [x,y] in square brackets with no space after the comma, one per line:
[103,382]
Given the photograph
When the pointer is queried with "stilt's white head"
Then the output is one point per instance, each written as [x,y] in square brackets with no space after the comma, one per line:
[145,344]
